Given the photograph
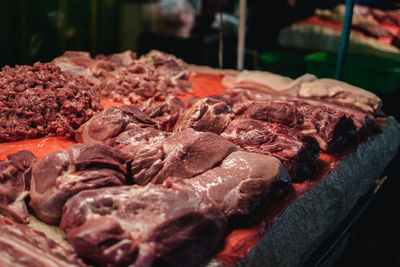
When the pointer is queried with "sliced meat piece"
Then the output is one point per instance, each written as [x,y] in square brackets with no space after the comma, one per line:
[20,245]
[143,226]
[108,124]
[61,174]
[189,153]
[241,184]
[165,113]
[331,128]
[299,153]
[15,175]
[206,115]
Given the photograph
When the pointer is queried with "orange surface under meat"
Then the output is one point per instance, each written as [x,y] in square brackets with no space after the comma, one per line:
[240,241]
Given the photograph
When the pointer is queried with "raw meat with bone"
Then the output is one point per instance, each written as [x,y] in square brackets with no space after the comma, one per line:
[111,226]
[15,175]
[20,245]
[299,153]
[61,174]
[241,184]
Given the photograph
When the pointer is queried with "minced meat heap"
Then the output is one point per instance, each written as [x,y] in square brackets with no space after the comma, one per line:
[41,100]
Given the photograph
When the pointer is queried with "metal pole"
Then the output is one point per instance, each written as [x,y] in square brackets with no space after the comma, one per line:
[344,39]
[241,34]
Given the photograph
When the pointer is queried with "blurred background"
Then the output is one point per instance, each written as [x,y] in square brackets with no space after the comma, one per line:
[288,37]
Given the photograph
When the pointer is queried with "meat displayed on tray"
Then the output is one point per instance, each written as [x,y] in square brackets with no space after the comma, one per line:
[159,183]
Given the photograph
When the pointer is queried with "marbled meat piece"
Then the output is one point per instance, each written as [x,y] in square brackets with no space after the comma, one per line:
[41,100]
[15,175]
[149,225]
[105,126]
[206,115]
[299,153]
[165,113]
[241,184]
[61,174]
[189,153]
[22,246]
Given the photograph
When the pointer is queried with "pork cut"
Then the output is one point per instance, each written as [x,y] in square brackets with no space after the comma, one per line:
[189,153]
[241,184]
[22,246]
[60,174]
[149,225]
[206,115]
[105,126]
[15,175]
[299,153]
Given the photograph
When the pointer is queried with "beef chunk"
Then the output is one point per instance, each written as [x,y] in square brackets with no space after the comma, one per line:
[15,175]
[331,128]
[165,114]
[41,100]
[299,153]
[105,126]
[61,174]
[241,184]
[20,245]
[143,226]
[206,115]
[189,153]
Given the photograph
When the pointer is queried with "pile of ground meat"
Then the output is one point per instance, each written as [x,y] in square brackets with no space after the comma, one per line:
[41,100]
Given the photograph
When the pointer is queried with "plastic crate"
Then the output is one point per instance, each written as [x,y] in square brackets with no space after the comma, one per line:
[287,64]
[374,74]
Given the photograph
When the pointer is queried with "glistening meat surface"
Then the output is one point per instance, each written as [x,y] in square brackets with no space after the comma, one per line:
[143,226]
[241,184]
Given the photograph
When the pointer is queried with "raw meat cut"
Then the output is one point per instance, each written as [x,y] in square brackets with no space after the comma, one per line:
[121,77]
[143,226]
[299,153]
[165,114]
[206,115]
[365,122]
[41,100]
[241,184]
[20,245]
[143,146]
[15,175]
[189,153]
[331,128]
[61,174]
[105,126]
